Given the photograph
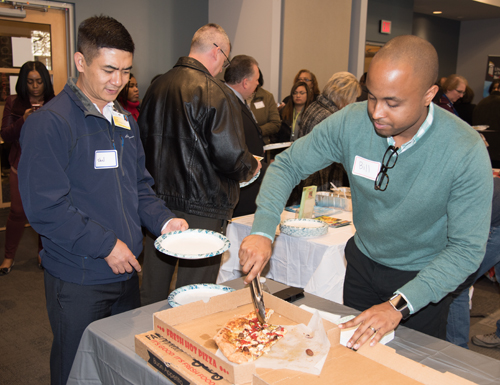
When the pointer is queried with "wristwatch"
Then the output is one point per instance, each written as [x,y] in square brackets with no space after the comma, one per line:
[398,302]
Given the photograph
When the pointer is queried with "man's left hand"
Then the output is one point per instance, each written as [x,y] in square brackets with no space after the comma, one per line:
[378,320]
[176,224]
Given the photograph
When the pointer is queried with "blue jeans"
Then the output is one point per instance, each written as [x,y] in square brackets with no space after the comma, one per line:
[458,326]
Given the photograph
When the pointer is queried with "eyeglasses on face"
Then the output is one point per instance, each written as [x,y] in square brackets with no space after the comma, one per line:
[226,61]
[301,93]
[460,92]
[307,80]
[388,162]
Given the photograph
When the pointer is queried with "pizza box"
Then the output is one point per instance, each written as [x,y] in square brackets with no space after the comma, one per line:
[173,363]
[191,328]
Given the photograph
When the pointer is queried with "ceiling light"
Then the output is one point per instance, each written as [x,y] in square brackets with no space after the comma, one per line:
[437,12]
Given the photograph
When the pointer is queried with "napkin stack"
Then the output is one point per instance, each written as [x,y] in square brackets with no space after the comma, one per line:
[345,334]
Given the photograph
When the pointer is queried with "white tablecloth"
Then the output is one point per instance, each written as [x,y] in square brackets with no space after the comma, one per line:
[317,264]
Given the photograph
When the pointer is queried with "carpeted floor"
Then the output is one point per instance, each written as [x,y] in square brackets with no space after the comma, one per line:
[26,336]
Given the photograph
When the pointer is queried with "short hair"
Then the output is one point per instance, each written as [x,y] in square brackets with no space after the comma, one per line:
[102,31]
[123,95]
[494,84]
[343,88]
[287,111]
[204,39]
[315,87]
[414,51]
[452,82]
[22,81]
[241,67]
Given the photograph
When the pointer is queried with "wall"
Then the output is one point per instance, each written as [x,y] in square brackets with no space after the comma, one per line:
[478,39]
[399,12]
[161,29]
[254,28]
[444,35]
[316,36]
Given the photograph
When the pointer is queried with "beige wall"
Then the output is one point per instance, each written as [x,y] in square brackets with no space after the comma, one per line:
[253,26]
[306,23]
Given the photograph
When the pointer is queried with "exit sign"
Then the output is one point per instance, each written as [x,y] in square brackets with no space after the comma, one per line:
[385,27]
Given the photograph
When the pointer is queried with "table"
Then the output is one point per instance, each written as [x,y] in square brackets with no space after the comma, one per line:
[317,265]
[106,354]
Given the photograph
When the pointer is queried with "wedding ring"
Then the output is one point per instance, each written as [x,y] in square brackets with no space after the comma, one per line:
[374,330]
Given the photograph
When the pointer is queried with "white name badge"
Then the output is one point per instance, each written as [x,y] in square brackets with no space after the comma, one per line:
[259,105]
[121,120]
[106,159]
[365,168]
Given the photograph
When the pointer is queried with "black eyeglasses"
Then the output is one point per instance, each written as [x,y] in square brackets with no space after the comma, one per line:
[227,59]
[388,162]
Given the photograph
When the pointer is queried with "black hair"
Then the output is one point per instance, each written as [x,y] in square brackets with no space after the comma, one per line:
[123,95]
[241,67]
[493,84]
[22,81]
[102,31]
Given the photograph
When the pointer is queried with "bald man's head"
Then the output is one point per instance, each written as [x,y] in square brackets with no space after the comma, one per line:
[415,52]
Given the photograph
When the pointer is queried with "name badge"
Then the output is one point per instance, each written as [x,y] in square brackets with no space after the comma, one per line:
[259,105]
[106,159]
[121,120]
[365,168]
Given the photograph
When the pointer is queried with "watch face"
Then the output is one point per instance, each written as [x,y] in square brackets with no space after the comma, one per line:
[400,303]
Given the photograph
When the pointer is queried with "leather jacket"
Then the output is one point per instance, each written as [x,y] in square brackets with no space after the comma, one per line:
[192,133]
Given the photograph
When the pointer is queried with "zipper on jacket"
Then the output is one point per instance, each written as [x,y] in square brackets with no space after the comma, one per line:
[112,136]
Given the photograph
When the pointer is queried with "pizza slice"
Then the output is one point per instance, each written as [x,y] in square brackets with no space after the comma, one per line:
[244,339]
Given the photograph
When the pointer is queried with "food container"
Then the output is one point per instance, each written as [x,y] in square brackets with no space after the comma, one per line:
[303,227]
[335,199]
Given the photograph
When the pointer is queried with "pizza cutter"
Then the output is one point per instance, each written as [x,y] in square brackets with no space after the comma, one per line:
[258,299]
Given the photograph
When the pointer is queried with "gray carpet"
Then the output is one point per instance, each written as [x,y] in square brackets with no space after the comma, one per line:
[26,336]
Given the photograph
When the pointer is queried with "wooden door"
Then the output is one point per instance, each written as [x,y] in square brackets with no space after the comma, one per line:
[46,27]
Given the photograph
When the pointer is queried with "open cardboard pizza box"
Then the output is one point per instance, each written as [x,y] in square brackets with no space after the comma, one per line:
[192,326]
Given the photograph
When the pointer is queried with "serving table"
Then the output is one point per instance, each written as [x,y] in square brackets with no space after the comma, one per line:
[106,354]
[315,264]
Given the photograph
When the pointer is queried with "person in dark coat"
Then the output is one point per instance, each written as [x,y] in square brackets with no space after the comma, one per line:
[242,77]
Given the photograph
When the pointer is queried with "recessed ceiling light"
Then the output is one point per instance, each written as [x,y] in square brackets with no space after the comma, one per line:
[437,12]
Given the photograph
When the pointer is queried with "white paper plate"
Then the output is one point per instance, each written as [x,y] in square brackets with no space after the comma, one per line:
[274,146]
[199,292]
[480,128]
[255,177]
[192,243]
[303,227]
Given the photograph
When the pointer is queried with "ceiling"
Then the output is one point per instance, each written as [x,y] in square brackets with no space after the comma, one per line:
[457,9]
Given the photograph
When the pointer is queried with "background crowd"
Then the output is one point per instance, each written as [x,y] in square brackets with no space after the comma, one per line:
[198,138]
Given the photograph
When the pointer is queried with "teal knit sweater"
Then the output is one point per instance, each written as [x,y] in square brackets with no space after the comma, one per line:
[434,216]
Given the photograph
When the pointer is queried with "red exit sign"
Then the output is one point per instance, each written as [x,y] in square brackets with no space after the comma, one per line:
[385,27]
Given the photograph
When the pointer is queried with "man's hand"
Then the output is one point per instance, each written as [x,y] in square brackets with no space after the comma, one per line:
[383,318]
[255,251]
[259,166]
[175,225]
[121,259]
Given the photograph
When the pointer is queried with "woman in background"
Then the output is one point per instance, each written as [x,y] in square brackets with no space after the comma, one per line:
[453,88]
[307,77]
[342,89]
[34,89]
[300,98]
[129,97]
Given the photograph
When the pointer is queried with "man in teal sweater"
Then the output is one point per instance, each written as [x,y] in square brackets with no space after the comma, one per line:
[421,188]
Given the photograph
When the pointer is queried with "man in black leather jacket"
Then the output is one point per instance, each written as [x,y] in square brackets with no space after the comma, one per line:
[192,133]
